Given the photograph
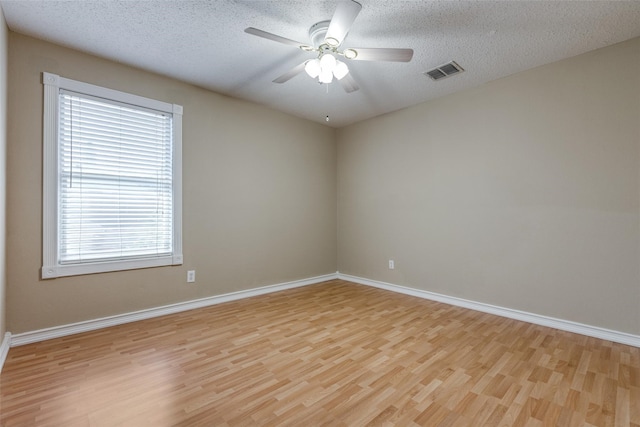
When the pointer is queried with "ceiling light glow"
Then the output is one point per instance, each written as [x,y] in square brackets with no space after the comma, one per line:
[326,68]
[328,62]
[325,77]
[341,70]
[312,67]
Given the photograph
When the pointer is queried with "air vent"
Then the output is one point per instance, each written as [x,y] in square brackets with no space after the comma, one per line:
[445,70]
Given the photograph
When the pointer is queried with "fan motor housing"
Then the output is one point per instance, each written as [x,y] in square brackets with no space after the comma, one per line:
[317,32]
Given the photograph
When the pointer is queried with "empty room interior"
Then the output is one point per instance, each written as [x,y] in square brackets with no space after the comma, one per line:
[440,227]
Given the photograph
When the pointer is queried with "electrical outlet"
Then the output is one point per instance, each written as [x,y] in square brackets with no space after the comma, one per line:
[191,276]
[392,264]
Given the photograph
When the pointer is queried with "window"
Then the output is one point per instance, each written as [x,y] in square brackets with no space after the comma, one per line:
[111,182]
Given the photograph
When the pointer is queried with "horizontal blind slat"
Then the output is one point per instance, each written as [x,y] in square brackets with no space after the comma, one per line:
[116,189]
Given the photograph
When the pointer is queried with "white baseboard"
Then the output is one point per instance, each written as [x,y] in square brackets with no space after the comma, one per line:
[564,325]
[4,348]
[91,325]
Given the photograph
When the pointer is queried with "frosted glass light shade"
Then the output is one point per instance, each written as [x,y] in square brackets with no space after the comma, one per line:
[313,68]
[327,63]
[326,68]
[341,70]
[325,77]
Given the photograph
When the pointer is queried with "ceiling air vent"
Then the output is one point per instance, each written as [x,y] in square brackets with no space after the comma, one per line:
[445,70]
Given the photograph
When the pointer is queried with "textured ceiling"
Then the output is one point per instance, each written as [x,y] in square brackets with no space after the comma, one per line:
[204,43]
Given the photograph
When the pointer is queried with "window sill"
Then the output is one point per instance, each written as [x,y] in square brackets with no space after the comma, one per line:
[51,272]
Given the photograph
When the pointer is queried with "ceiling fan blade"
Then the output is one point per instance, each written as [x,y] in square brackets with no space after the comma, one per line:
[383,54]
[349,84]
[275,38]
[291,73]
[343,18]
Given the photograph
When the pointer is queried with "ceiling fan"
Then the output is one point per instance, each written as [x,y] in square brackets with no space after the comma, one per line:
[326,40]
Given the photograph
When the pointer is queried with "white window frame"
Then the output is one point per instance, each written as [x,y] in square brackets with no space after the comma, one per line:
[51,267]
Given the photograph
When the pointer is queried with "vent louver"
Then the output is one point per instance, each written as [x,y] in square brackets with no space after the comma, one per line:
[444,71]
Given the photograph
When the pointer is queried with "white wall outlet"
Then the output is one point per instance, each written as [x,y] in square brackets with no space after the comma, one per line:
[392,264]
[191,276]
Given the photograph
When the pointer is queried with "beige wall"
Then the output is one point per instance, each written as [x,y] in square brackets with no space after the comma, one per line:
[522,193]
[259,196]
[3,145]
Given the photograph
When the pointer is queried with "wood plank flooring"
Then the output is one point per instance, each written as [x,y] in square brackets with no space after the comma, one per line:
[331,354]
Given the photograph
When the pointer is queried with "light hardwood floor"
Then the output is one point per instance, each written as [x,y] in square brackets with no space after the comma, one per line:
[331,354]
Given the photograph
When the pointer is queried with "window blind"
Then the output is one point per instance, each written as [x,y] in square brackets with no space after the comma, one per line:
[115,171]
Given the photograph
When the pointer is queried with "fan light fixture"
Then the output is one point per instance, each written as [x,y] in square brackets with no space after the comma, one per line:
[326,38]
[325,68]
